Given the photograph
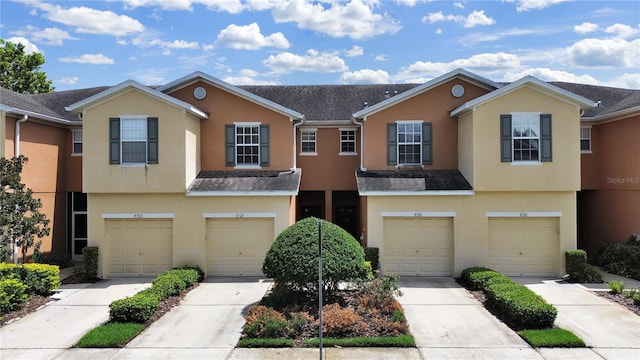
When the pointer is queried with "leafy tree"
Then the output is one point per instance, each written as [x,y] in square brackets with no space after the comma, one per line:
[20,219]
[292,260]
[20,71]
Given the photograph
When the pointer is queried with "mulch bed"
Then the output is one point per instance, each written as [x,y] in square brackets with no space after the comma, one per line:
[34,303]
[620,299]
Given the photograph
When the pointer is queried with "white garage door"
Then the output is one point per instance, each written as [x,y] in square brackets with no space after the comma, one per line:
[524,247]
[418,247]
[139,247]
[238,246]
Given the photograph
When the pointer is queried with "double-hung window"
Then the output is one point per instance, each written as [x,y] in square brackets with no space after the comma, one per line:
[76,142]
[525,137]
[409,143]
[133,140]
[308,139]
[585,139]
[347,141]
[247,144]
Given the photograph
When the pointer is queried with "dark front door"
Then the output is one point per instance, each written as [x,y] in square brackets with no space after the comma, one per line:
[346,217]
[310,210]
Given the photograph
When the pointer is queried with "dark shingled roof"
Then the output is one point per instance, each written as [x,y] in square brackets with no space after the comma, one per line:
[327,102]
[246,181]
[612,99]
[411,180]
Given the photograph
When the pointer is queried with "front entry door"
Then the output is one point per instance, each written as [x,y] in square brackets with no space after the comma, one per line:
[346,218]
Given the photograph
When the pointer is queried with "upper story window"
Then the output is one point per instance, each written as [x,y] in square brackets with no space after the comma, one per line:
[585,139]
[525,137]
[347,141]
[133,140]
[409,143]
[308,139]
[247,145]
[76,142]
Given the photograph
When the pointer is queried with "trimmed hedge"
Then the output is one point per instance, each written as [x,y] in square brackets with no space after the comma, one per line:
[40,279]
[516,302]
[578,269]
[140,307]
[12,295]
[372,254]
[89,263]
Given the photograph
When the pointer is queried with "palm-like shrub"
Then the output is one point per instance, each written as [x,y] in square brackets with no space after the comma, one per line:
[292,260]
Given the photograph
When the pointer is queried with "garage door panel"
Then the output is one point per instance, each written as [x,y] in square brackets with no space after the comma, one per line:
[523,247]
[418,247]
[238,246]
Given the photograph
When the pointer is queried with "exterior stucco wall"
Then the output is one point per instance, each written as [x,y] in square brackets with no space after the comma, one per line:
[432,106]
[466,146]
[3,132]
[189,225]
[167,176]
[225,108]
[470,224]
[561,174]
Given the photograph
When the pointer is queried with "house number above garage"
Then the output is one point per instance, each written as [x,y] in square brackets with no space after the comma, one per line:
[138,215]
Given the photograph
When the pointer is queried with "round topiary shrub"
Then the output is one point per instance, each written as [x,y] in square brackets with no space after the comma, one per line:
[292,260]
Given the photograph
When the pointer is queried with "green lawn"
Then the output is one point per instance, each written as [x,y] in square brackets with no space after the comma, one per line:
[553,337]
[110,335]
[391,341]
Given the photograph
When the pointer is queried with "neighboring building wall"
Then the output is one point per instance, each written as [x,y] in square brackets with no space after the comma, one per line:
[189,225]
[561,174]
[609,204]
[432,106]
[470,224]
[226,108]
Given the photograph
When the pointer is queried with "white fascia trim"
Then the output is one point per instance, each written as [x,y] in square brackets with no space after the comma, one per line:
[138,215]
[461,73]
[247,123]
[524,214]
[12,110]
[614,116]
[418,193]
[251,215]
[242,193]
[144,89]
[583,102]
[419,214]
[199,75]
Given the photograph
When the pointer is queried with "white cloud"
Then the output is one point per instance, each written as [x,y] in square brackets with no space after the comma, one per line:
[526,5]
[585,28]
[628,81]
[366,76]
[355,19]
[623,31]
[150,76]
[546,74]
[354,51]
[96,59]
[485,36]
[438,31]
[381,57]
[412,3]
[487,63]
[474,19]
[459,5]
[180,44]
[88,20]
[148,39]
[49,36]
[605,53]
[29,47]
[248,37]
[230,6]
[68,80]
[248,77]
[311,62]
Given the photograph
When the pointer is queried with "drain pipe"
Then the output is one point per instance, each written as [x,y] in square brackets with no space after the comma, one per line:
[16,153]
[361,125]
[295,144]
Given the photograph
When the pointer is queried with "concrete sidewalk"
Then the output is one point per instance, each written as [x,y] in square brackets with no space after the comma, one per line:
[47,332]
[610,330]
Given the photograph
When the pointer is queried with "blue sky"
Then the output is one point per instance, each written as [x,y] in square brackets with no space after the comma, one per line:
[92,43]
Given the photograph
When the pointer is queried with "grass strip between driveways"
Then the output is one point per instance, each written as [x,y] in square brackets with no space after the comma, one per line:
[265,343]
[389,341]
[553,337]
[110,335]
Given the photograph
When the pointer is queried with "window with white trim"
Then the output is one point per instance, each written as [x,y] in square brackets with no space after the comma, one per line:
[133,139]
[585,139]
[247,145]
[76,142]
[409,143]
[308,139]
[347,141]
[526,136]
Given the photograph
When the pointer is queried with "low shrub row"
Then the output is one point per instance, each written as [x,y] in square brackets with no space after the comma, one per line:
[39,279]
[517,303]
[141,306]
[622,259]
[12,295]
